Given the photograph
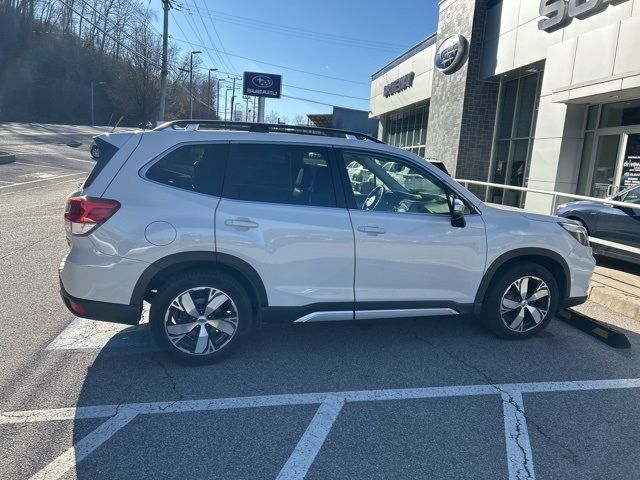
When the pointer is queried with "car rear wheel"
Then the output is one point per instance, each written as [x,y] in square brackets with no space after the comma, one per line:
[199,317]
[521,301]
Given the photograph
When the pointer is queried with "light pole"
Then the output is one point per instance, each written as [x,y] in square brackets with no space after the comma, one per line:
[209,96]
[93,117]
[217,110]
[225,102]
[195,52]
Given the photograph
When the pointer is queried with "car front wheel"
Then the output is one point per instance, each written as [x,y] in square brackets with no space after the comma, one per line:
[199,317]
[521,301]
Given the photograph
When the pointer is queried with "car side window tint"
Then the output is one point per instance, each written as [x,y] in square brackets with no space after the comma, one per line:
[633,196]
[197,167]
[296,175]
[388,184]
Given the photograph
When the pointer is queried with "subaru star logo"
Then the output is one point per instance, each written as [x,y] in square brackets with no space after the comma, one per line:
[451,53]
[261,81]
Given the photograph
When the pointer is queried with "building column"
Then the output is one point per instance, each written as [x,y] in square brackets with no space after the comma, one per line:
[558,138]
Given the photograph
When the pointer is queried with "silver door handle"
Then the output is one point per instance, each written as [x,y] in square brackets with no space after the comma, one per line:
[241,223]
[371,230]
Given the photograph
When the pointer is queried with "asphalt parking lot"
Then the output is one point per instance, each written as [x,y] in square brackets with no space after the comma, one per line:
[415,398]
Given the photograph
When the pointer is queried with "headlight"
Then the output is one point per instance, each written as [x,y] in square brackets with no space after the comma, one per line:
[577,231]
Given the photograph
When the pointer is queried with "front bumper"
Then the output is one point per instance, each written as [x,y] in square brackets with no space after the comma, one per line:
[104,311]
[573,301]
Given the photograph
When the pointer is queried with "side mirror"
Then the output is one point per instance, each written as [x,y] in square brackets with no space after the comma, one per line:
[457,213]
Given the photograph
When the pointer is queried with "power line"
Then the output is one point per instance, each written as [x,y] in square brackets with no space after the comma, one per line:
[228,60]
[288,85]
[306,72]
[305,33]
[217,34]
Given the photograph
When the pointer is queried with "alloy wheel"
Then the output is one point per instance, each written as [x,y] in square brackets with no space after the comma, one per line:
[525,303]
[201,320]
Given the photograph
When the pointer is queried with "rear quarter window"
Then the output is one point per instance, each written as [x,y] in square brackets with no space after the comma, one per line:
[195,167]
[107,151]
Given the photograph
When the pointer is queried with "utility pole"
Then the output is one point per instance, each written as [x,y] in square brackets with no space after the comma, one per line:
[233,98]
[209,93]
[225,102]
[93,116]
[166,5]
[195,52]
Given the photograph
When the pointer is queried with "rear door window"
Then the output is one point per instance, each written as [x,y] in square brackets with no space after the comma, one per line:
[195,167]
[289,174]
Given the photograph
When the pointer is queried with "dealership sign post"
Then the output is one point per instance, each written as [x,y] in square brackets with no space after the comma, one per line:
[261,85]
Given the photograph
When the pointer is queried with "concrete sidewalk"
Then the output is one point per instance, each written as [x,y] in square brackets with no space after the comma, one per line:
[616,285]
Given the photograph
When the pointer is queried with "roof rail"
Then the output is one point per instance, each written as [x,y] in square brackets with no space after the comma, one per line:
[262,128]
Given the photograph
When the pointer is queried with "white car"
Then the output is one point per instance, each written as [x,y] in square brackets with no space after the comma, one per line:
[221,226]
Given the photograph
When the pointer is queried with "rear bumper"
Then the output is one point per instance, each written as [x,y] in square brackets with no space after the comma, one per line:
[107,312]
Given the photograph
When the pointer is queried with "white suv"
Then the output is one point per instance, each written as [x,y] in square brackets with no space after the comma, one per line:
[220,226]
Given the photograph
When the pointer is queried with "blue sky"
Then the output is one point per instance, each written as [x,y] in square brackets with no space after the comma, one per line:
[303,35]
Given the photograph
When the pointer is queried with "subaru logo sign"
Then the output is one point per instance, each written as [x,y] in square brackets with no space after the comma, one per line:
[451,54]
[261,81]
[261,84]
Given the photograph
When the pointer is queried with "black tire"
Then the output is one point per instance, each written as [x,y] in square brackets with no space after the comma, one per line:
[163,310]
[95,151]
[497,292]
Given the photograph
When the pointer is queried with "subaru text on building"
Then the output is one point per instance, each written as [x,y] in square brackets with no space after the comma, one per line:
[220,226]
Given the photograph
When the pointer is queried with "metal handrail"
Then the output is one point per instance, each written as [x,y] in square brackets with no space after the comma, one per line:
[554,204]
[264,128]
[549,192]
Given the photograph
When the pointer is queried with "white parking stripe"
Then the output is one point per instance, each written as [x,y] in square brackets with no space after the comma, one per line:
[519,456]
[40,180]
[84,447]
[183,406]
[312,440]
[83,334]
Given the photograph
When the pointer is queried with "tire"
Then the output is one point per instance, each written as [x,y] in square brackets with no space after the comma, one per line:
[507,314]
[194,301]
[95,151]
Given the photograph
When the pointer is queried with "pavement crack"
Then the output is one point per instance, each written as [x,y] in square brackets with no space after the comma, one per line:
[174,384]
[24,247]
[569,454]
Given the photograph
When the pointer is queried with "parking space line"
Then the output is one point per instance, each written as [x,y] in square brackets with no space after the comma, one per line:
[40,165]
[312,440]
[518,447]
[519,455]
[41,180]
[79,451]
[184,406]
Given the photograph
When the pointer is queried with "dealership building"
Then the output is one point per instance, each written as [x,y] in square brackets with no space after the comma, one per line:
[537,93]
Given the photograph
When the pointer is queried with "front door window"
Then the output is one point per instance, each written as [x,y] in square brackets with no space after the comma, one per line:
[385,184]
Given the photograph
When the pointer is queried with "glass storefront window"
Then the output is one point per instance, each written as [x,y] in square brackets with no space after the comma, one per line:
[407,128]
[526,104]
[620,114]
[585,160]
[592,117]
[514,131]
[508,107]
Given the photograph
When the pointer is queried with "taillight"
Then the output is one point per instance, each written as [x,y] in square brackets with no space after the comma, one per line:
[83,214]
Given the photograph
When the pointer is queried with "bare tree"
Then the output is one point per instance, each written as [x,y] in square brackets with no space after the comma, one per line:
[299,120]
